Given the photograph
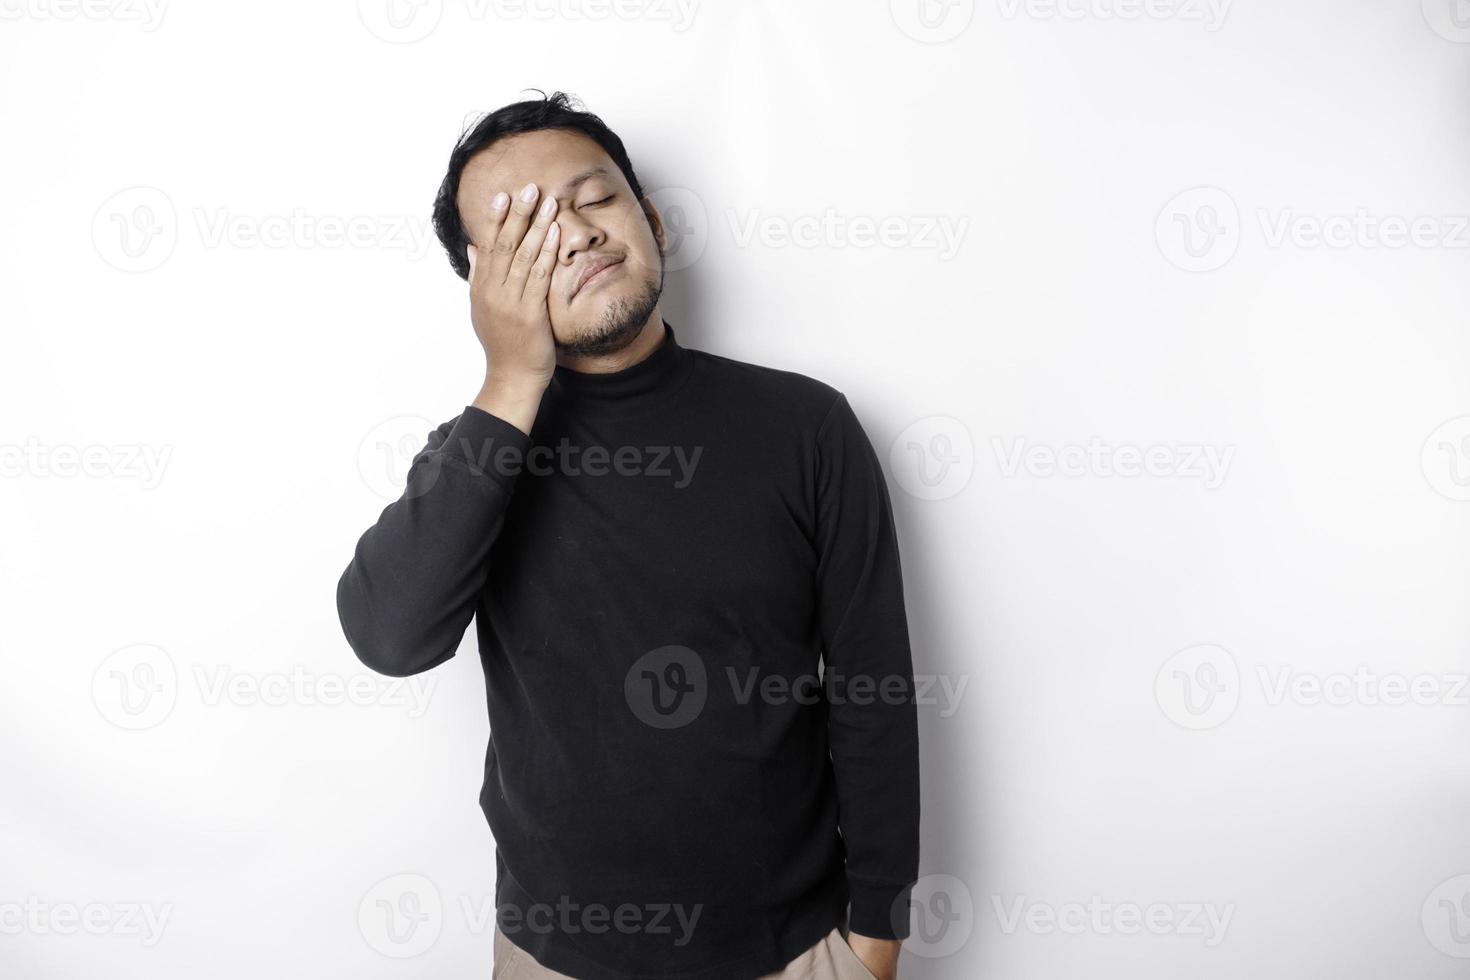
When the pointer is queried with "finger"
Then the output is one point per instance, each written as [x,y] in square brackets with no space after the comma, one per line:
[498,205]
[471,253]
[539,282]
[517,219]
[531,245]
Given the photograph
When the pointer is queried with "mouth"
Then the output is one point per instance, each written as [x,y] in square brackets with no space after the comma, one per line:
[599,271]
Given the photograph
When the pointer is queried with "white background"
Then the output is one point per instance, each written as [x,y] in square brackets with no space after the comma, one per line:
[1233,230]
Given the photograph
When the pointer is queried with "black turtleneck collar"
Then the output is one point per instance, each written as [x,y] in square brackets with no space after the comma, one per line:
[662,371]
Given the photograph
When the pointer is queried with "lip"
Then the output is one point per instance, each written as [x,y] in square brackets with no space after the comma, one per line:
[594,270]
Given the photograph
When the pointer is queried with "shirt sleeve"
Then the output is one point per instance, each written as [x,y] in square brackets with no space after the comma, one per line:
[872,720]
[417,574]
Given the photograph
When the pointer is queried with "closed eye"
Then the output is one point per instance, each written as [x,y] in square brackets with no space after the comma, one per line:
[593,204]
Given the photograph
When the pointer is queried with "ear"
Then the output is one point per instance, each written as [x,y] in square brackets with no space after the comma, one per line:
[656,223]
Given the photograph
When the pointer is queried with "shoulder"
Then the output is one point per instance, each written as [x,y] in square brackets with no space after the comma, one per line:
[759,386]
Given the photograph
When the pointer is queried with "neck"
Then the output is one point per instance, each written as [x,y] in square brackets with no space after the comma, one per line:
[649,337]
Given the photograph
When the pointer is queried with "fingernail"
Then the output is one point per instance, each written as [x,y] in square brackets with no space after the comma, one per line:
[547,206]
[501,200]
[528,193]
[554,230]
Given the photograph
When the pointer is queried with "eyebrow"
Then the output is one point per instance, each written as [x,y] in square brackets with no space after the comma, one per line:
[573,183]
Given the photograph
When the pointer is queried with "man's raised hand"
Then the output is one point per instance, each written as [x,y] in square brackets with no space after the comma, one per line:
[510,279]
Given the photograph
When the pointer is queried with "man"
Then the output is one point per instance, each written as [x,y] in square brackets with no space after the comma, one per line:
[661,548]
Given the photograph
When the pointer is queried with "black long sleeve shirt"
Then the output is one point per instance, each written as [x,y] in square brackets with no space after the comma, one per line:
[656,573]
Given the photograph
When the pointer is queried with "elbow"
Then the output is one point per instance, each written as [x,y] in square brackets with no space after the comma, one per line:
[383,647]
[393,661]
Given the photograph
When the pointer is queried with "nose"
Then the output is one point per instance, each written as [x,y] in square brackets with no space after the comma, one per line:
[578,235]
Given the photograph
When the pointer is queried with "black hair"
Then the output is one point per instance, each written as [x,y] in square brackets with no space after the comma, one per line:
[555,111]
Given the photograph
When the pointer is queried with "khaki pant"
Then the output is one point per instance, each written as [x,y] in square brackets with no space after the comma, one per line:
[830,959]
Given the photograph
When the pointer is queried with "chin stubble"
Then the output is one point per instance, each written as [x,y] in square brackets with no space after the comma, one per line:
[621,323]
